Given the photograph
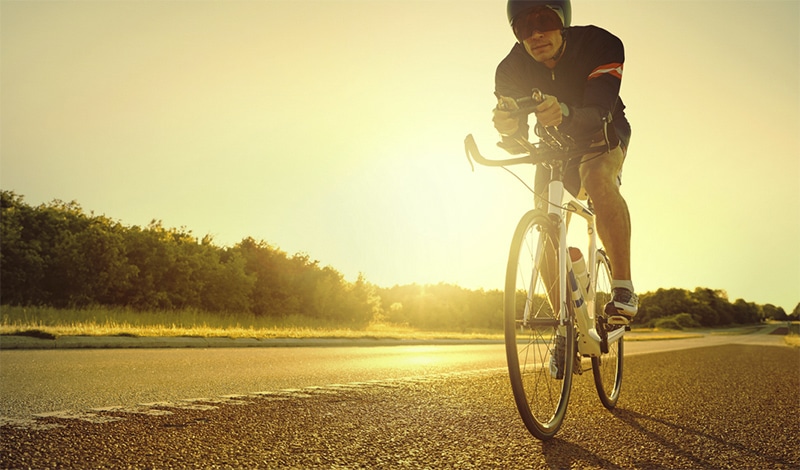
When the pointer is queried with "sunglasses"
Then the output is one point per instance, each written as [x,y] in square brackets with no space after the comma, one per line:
[539,19]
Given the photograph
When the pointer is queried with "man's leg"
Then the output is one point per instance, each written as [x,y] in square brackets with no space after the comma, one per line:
[599,177]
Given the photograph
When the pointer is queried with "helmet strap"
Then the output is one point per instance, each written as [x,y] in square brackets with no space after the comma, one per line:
[560,51]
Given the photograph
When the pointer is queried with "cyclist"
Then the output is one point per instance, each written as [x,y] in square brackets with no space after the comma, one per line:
[579,69]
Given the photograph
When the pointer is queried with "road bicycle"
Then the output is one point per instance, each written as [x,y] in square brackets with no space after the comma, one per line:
[554,299]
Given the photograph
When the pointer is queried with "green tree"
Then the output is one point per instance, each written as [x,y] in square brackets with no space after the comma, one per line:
[224,284]
[56,254]
[22,266]
[772,312]
[262,263]
[746,312]
[442,306]
[91,263]
[663,303]
[721,310]
[365,301]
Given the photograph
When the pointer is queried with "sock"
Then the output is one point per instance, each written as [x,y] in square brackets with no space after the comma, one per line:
[622,284]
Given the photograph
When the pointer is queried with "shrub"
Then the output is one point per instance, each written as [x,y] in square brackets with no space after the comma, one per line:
[685,320]
[668,323]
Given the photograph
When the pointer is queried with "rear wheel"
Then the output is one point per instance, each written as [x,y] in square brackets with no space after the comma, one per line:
[607,368]
[537,345]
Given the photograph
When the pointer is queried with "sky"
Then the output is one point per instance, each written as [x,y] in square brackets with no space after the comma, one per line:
[335,128]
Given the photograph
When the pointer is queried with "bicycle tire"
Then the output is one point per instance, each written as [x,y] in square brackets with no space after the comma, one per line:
[541,399]
[607,369]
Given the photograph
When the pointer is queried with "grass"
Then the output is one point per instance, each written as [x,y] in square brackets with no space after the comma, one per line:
[49,323]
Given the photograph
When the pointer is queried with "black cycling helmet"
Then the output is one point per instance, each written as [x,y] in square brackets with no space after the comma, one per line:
[516,7]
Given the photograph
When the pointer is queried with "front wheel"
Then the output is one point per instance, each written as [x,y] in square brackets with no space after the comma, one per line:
[537,345]
[607,369]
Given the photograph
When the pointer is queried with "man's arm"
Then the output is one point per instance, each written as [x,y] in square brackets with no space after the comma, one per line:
[510,87]
[606,57]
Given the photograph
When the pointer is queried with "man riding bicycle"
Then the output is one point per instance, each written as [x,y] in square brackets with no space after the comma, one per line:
[579,69]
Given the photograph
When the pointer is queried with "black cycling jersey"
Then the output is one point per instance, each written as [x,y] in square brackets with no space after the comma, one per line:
[587,79]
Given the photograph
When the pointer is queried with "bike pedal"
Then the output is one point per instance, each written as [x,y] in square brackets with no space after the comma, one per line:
[577,369]
[618,320]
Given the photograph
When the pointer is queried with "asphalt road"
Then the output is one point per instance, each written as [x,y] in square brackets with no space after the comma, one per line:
[51,381]
[732,405]
[45,381]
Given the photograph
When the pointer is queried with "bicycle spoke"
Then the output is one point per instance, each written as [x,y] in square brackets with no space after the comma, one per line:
[541,389]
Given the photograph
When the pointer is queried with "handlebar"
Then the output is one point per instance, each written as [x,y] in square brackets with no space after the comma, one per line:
[553,146]
[473,154]
[539,153]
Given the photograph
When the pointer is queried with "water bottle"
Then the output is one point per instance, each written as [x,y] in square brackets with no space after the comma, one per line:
[580,274]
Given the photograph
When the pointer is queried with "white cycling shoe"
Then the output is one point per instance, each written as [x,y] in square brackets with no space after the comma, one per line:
[622,308]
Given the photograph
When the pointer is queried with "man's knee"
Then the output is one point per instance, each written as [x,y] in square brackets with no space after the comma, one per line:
[600,175]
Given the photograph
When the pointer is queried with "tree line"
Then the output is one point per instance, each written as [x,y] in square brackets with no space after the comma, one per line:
[703,307]
[57,255]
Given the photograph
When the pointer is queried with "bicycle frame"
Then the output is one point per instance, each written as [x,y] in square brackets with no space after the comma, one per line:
[560,203]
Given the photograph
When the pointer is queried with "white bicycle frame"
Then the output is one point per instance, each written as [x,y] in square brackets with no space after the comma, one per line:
[589,342]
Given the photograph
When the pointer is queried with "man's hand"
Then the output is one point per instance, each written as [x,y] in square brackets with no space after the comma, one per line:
[549,113]
[503,121]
